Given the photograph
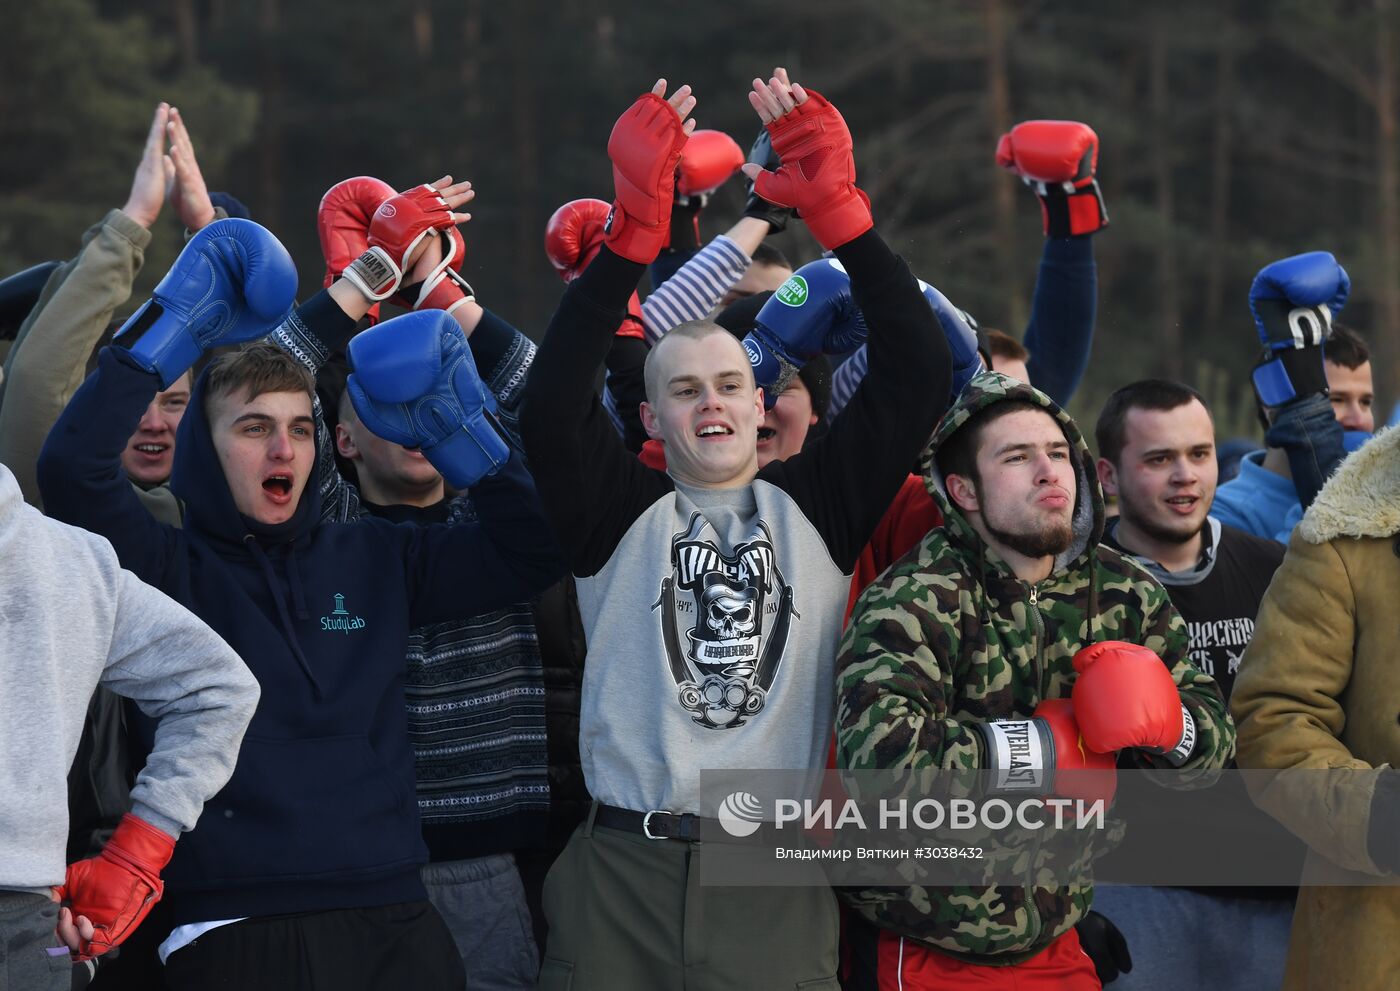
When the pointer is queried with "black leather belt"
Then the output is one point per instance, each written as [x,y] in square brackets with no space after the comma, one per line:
[682,827]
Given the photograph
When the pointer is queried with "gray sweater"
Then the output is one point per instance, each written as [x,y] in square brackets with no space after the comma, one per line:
[70,618]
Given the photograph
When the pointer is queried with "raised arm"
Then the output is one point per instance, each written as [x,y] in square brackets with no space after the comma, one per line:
[231,283]
[845,481]
[49,359]
[1058,159]
[592,488]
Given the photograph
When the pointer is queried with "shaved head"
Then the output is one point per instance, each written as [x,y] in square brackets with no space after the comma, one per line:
[695,330]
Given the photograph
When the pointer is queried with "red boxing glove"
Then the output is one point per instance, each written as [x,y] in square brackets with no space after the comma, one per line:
[1125,697]
[1046,755]
[342,223]
[645,147]
[574,234]
[707,162]
[818,174]
[1058,159]
[572,239]
[1080,771]
[117,888]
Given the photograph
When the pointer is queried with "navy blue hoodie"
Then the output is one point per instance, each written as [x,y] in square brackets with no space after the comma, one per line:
[320,812]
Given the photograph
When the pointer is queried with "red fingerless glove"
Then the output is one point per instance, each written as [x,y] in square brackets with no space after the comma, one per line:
[117,888]
[818,174]
[401,222]
[444,288]
[394,231]
[645,147]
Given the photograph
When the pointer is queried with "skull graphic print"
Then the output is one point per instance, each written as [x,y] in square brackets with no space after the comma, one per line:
[725,619]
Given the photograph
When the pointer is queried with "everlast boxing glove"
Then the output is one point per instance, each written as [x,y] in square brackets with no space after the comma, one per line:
[234,282]
[1058,159]
[1047,755]
[415,384]
[1125,698]
[1293,301]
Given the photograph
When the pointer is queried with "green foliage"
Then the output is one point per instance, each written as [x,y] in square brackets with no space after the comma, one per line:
[78,94]
[285,98]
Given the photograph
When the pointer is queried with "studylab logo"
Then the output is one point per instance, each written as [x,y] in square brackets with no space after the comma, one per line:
[340,620]
[741,814]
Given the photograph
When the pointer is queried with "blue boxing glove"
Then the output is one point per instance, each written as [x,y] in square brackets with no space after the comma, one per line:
[1293,301]
[415,384]
[812,313]
[961,334]
[234,282]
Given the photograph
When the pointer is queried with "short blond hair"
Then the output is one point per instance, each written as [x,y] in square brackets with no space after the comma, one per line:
[693,330]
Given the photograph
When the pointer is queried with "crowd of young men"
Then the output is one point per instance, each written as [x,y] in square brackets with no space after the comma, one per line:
[398,652]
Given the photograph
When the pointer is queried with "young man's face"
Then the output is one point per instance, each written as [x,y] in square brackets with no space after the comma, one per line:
[150,451]
[266,447]
[706,410]
[1165,478]
[389,474]
[1353,393]
[785,426]
[1024,496]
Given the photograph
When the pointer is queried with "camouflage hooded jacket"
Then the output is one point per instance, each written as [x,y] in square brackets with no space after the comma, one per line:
[950,636]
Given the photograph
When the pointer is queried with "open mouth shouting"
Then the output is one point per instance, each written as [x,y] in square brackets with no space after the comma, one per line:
[278,487]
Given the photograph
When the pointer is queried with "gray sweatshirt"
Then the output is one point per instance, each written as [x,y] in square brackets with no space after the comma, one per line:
[70,618]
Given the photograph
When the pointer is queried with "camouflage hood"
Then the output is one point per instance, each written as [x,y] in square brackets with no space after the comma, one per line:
[988,389]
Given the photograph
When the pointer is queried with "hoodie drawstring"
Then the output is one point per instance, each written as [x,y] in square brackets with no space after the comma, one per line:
[274,586]
[294,579]
[1093,595]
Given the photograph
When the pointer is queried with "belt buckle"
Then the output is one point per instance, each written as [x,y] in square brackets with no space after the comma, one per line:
[646,824]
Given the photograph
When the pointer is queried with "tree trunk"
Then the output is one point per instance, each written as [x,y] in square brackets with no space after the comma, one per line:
[1003,190]
[1216,285]
[1387,287]
[1168,343]
[524,162]
[469,74]
[269,137]
[423,29]
[187,30]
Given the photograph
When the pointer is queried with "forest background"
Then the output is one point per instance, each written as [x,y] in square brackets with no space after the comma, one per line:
[1233,132]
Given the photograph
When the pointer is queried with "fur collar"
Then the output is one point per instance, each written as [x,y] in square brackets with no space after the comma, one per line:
[1363,498]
